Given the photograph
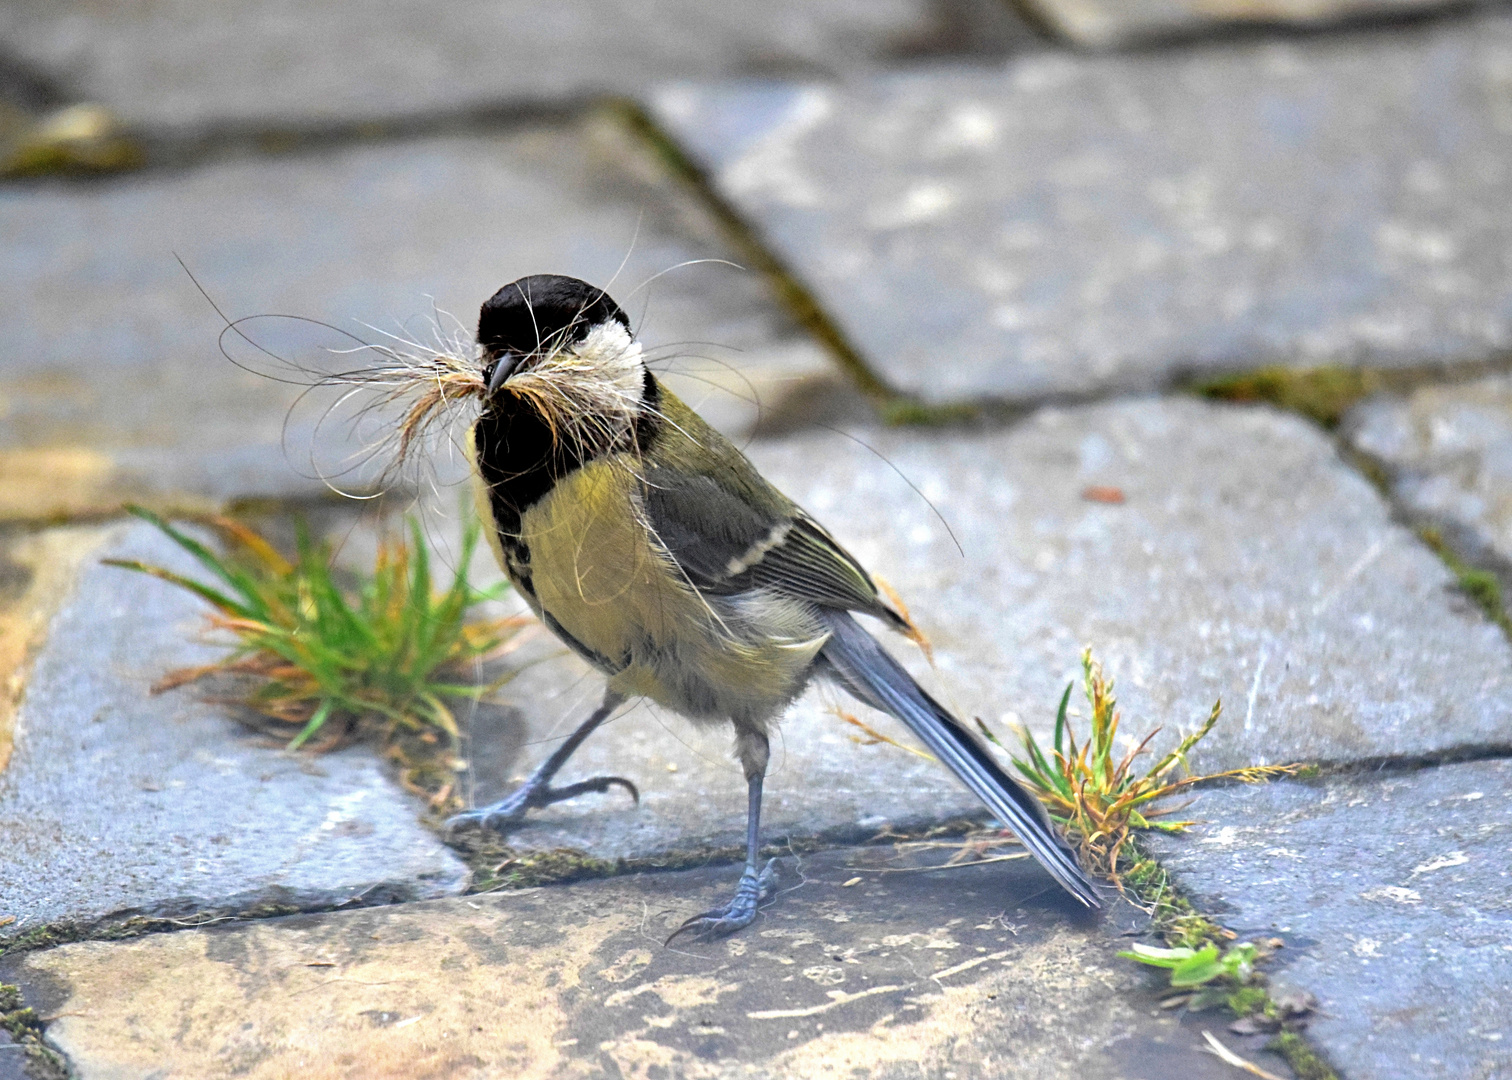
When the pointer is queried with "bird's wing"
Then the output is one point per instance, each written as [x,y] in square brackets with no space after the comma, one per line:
[725,544]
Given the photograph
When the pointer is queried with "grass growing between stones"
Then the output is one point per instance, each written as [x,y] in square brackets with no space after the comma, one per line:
[1096,794]
[25,1029]
[1218,972]
[329,664]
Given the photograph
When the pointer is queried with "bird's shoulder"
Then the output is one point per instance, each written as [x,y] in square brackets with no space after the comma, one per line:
[730,530]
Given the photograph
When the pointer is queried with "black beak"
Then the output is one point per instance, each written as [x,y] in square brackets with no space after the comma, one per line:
[503,367]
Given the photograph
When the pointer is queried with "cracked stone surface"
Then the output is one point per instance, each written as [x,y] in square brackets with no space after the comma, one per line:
[120,802]
[1110,23]
[1080,224]
[281,62]
[838,978]
[1447,453]
[1246,563]
[1392,891]
[113,386]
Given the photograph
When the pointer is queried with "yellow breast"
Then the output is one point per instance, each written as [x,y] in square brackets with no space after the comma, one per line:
[595,567]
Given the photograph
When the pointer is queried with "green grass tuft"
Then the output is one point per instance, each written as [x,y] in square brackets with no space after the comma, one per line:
[330,663]
[1097,795]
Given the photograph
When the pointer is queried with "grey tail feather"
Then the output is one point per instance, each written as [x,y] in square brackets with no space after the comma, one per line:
[864,668]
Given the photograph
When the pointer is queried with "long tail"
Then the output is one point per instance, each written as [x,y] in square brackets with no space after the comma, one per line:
[865,669]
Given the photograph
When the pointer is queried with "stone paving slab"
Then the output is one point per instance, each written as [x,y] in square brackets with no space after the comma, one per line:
[113,386]
[1101,24]
[1246,563]
[1393,893]
[972,972]
[1447,453]
[279,62]
[117,802]
[1074,225]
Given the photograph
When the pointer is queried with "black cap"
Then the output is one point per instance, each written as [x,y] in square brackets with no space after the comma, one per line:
[543,310]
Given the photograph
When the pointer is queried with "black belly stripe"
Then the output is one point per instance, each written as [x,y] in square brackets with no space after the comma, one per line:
[520,462]
[593,656]
[521,459]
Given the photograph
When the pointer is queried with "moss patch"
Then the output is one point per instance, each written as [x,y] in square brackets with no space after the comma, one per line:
[1176,920]
[1481,586]
[1304,1060]
[25,1030]
[496,865]
[1172,915]
[1322,394]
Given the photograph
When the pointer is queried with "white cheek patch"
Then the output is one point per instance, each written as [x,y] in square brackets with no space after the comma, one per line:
[615,356]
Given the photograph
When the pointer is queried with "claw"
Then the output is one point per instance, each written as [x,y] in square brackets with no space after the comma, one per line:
[739,913]
[599,785]
[532,796]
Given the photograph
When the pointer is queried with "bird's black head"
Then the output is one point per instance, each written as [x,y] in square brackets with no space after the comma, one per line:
[566,384]
[539,314]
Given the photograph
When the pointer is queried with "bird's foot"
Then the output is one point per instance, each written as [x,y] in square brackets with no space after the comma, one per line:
[738,913]
[532,795]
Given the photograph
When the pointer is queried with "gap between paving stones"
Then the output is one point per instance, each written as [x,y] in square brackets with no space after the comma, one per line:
[1157,895]
[1326,397]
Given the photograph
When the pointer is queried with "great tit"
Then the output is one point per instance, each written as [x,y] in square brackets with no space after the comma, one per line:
[654,549]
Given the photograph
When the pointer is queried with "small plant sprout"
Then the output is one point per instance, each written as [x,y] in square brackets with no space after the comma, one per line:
[1194,968]
[381,658]
[1099,798]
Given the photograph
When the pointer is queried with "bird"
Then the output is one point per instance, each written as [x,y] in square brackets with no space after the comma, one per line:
[653,548]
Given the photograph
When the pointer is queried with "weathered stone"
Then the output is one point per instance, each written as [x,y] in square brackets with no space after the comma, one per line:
[278,62]
[1447,453]
[1101,24]
[36,573]
[114,388]
[970,972]
[12,1058]
[1070,225]
[1247,563]
[120,802]
[1391,891]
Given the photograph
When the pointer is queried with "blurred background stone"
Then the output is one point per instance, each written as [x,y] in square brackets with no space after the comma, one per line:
[1447,454]
[280,63]
[112,384]
[1102,24]
[1066,225]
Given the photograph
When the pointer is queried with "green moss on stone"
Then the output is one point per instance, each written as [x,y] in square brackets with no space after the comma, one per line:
[1322,394]
[1304,1060]
[1481,586]
[24,1027]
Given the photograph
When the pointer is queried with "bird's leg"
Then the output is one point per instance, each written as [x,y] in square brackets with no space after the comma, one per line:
[755,886]
[537,791]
